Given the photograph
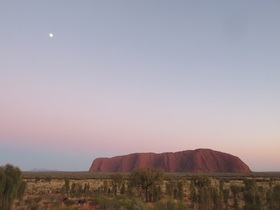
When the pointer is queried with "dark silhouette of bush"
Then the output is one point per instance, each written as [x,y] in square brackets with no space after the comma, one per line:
[145,179]
[235,189]
[65,189]
[204,195]
[48,179]
[200,192]
[175,189]
[117,182]
[252,195]
[11,186]
[273,197]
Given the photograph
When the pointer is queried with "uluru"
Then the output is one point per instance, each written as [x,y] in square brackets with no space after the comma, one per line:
[199,160]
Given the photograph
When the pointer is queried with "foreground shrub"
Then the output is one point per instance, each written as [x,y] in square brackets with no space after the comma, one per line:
[119,203]
[11,186]
[129,203]
[170,204]
[103,201]
[273,197]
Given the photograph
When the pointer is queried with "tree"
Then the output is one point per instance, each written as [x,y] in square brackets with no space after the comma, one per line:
[252,195]
[117,181]
[201,191]
[180,186]
[86,189]
[235,189]
[170,185]
[2,184]
[21,190]
[10,186]
[226,197]
[175,189]
[48,179]
[216,196]
[66,187]
[276,196]
[193,193]
[155,192]
[105,187]
[76,189]
[145,179]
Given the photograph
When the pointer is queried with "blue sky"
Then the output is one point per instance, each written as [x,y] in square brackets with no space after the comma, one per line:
[120,77]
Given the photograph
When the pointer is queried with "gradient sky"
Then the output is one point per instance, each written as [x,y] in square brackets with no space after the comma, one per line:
[126,76]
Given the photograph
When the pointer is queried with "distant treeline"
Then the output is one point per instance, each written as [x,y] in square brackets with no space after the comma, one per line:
[98,175]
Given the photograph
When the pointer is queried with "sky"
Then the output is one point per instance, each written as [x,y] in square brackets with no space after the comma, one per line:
[119,77]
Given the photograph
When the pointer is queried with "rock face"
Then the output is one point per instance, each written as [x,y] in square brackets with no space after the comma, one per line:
[199,160]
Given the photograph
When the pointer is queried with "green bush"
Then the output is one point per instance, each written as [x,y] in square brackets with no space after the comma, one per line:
[10,186]
[103,201]
[121,202]
[170,204]
[69,202]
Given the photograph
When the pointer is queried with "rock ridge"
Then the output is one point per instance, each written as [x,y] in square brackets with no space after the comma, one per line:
[199,160]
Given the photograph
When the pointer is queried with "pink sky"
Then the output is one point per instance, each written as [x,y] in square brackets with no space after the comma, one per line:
[121,77]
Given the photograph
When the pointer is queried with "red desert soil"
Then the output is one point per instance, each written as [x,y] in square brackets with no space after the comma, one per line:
[199,160]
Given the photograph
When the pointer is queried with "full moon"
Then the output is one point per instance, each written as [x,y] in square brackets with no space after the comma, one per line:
[51,35]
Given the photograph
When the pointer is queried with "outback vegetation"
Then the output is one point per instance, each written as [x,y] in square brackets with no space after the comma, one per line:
[146,189]
[11,186]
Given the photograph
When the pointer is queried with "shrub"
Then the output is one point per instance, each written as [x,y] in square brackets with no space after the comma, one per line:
[170,204]
[10,183]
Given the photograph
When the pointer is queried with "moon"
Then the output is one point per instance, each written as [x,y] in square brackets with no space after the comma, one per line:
[51,35]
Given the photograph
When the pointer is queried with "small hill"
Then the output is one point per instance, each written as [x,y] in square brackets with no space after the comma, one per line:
[199,160]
